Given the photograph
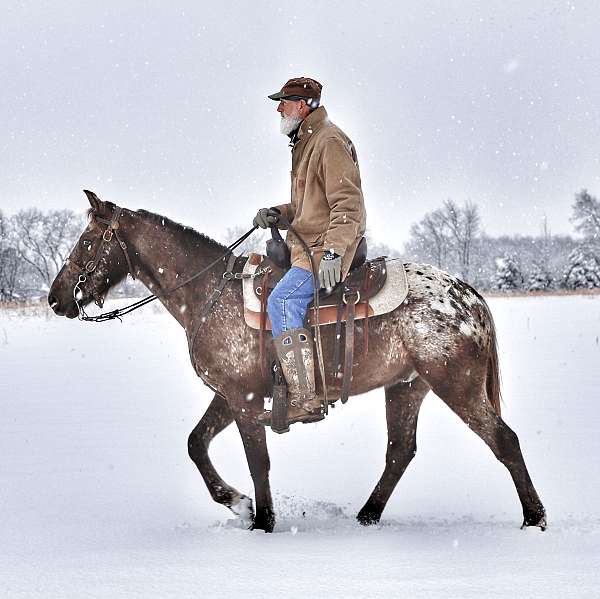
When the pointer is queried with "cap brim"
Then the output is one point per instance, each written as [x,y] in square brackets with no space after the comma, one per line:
[282,96]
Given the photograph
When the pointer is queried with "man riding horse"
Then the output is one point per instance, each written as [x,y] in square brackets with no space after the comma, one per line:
[327,211]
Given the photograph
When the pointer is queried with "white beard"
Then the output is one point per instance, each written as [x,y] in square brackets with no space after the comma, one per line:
[288,124]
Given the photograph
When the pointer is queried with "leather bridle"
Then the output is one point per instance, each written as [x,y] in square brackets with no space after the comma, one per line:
[112,230]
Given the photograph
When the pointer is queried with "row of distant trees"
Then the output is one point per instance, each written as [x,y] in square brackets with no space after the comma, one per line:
[34,244]
[452,238]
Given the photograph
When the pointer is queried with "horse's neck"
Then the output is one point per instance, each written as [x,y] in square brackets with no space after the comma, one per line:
[164,256]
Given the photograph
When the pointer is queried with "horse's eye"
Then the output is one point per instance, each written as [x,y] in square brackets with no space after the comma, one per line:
[87,244]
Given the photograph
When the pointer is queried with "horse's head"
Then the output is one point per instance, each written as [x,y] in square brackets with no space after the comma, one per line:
[98,262]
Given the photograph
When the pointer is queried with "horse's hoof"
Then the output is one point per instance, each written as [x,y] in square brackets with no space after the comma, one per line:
[535,519]
[243,509]
[265,520]
[368,517]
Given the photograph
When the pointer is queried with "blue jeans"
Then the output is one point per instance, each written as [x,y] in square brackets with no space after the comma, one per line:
[288,302]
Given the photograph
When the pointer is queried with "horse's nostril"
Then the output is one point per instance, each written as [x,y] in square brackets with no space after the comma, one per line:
[52,301]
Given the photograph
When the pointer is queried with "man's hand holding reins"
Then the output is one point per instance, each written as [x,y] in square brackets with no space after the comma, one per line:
[266,217]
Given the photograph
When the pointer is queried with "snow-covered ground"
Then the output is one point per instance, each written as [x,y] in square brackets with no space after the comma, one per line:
[98,497]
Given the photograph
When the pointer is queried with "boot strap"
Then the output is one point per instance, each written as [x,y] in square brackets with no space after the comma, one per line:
[297,403]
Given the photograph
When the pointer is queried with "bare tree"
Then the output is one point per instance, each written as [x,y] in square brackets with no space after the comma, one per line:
[463,224]
[9,263]
[9,273]
[44,240]
[447,237]
[430,240]
[434,228]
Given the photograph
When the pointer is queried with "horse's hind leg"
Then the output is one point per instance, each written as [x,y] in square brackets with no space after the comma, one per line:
[218,416]
[469,402]
[402,404]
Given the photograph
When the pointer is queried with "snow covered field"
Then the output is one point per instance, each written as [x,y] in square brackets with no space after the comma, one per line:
[98,497]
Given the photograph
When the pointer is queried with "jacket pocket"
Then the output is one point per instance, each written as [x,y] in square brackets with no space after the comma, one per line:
[314,240]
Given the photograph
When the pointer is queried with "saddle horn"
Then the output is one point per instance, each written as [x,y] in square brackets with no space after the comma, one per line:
[277,249]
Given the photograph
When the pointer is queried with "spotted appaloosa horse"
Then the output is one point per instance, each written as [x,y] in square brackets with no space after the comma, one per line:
[441,338]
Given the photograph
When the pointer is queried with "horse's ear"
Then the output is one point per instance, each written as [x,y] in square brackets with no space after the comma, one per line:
[94,200]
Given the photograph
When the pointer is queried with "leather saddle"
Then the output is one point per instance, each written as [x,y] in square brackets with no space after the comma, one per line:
[348,299]
[365,279]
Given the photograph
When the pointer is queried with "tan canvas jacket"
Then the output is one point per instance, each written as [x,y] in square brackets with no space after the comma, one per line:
[327,208]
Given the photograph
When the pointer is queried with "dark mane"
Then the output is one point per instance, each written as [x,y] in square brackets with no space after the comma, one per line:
[190,234]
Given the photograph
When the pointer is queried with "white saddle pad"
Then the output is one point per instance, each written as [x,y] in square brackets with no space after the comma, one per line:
[392,294]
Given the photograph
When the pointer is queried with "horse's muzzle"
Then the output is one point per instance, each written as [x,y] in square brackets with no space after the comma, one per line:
[69,310]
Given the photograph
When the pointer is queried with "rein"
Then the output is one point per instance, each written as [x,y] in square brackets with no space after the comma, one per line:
[112,230]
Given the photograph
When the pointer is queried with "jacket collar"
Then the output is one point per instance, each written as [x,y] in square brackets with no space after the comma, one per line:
[313,122]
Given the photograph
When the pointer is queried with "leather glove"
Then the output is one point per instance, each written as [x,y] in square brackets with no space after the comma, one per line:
[330,270]
[266,217]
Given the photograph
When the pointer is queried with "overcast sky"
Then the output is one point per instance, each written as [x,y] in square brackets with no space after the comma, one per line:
[162,105]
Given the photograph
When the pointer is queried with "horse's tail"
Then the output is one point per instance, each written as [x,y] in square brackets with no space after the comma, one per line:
[492,382]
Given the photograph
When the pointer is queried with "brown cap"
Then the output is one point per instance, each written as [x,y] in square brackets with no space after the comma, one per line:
[299,88]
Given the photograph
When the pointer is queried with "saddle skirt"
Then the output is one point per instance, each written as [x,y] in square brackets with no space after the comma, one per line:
[386,289]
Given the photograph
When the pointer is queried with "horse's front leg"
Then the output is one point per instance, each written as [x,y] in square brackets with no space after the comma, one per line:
[218,416]
[255,445]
